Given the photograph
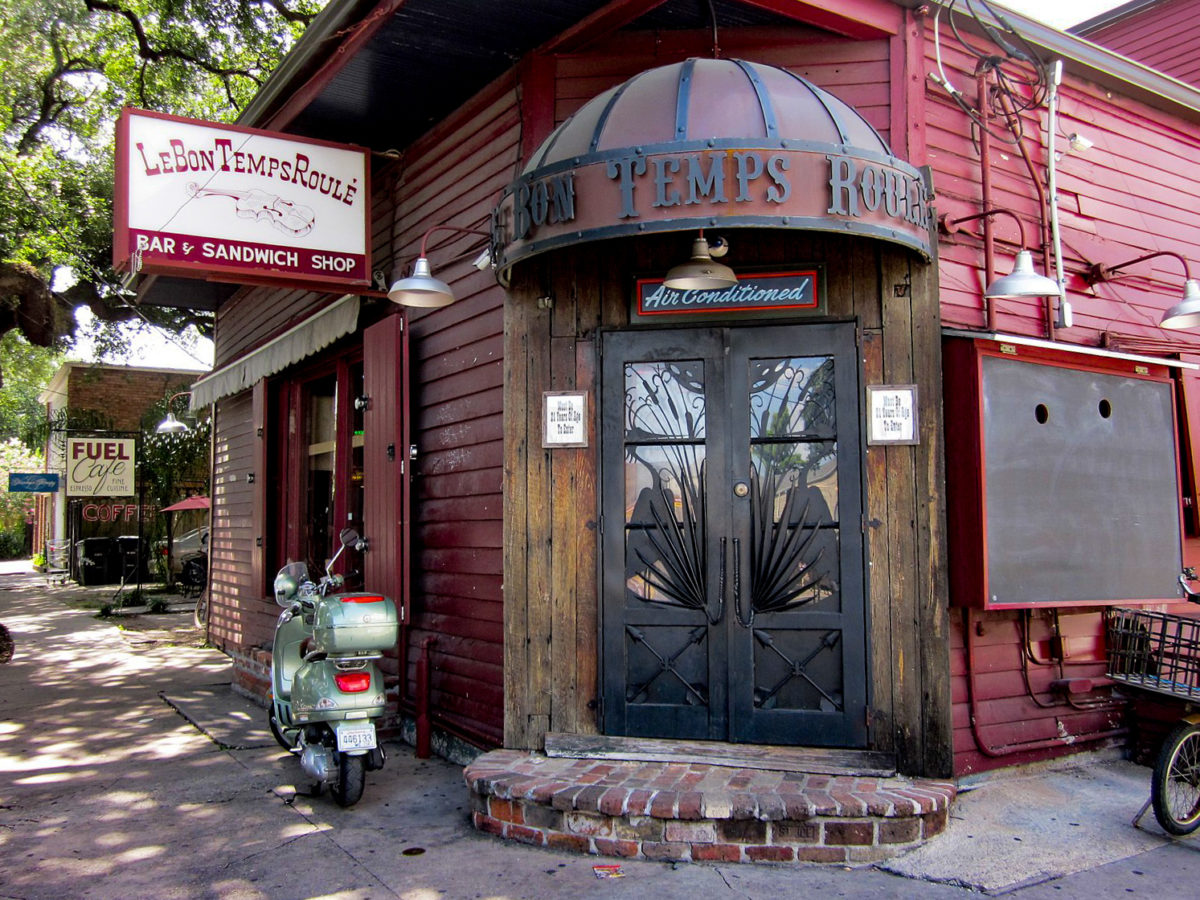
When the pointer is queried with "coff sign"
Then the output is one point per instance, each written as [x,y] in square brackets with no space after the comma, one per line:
[100,467]
[212,200]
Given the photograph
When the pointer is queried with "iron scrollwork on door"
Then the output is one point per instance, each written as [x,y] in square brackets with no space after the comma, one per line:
[793,486]
[666,559]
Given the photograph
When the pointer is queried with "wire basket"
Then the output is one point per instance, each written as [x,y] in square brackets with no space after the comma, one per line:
[1155,651]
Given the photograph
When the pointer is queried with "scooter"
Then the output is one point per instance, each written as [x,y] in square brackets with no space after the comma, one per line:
[326,689]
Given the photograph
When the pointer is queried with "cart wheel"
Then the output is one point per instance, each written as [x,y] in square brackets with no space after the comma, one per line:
[1175,789]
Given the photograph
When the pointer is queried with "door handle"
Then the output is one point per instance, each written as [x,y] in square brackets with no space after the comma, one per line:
[720,589]
[737,587]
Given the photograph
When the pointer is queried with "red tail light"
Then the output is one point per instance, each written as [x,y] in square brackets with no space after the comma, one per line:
[352,682]
[363,598]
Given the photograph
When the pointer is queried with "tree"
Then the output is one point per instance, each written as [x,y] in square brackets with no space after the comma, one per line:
[15,508]
[29,370]
[67,67]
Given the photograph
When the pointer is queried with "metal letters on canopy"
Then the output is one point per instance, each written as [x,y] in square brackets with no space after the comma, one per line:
[711,143]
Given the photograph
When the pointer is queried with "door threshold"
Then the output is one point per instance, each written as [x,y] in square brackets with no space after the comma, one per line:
[775,758]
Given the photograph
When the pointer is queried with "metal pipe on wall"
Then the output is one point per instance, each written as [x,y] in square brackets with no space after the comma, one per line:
[988,750]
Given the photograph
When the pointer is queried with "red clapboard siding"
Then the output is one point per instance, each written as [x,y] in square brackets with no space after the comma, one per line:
[1131,194]
[241,615]
[1161,35]
[1013,704]
[454,176]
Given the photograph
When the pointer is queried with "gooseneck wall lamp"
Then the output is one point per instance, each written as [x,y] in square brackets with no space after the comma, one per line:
[702,272]
[420,288]
[1184,314]
[171,425]
[1023,281]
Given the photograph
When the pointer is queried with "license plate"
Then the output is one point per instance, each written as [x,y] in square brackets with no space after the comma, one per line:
[355,736]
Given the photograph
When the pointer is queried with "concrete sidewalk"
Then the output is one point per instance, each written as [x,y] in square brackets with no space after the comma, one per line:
[129,769]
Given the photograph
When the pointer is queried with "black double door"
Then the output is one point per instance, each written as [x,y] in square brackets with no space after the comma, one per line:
[733,594]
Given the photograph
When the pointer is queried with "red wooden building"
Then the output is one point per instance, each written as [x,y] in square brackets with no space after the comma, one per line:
[1161,34]
[843,502]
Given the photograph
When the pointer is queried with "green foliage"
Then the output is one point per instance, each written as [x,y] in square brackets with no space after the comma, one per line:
[15,508]
[27,370]
[67,67]
[171,463]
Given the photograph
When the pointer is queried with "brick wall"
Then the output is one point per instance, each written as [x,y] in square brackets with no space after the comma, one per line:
[124,394]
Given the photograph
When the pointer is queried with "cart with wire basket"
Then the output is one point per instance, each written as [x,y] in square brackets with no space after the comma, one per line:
[58,561]
[1160,653]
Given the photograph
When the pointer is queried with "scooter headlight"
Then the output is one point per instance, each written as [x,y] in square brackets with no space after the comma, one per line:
[285,589]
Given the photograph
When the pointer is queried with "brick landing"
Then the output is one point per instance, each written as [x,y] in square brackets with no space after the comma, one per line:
[691,811]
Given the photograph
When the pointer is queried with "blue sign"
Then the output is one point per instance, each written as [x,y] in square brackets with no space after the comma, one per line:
[33,482]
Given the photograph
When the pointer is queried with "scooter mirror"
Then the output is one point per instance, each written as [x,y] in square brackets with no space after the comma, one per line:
[349,537]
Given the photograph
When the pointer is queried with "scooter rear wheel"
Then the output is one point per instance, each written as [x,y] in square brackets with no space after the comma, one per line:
[352,777]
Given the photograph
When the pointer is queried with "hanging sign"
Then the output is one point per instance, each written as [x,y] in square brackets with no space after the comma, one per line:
[791,292]
[892,414]
[215,201]
[32,482]
[101,467]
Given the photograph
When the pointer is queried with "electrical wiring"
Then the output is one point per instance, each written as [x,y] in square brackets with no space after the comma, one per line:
[1021,82]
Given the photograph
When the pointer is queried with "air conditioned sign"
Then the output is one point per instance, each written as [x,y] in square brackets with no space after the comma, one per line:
[214,201]
[101,467]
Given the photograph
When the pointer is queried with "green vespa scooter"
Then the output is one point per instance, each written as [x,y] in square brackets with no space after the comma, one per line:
[326,687]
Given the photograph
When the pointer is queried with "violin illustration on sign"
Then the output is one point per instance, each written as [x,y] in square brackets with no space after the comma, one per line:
[259,205]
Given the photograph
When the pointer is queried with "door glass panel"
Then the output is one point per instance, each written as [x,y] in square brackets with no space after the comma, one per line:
[792,397]
[321,443]
[664,483]
[664,523]
[664,399]
[794,533]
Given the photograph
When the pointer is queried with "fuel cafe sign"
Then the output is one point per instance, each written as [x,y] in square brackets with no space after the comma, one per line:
[100,467]
[639,191]
[235,204]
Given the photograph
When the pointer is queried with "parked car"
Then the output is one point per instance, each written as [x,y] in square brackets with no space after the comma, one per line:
[184,546]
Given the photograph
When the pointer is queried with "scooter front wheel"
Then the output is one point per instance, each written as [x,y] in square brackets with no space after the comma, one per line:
[352,777]
[285,737]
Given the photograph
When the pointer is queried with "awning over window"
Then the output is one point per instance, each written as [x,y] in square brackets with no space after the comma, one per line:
[298,342]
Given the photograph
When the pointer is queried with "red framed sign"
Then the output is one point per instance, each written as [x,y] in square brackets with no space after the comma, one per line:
[794,292]
[206,200]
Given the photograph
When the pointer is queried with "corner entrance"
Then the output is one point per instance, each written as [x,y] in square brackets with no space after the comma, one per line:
[733,599]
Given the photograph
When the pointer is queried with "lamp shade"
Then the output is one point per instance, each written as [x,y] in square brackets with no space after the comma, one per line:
[1023,282]
[701,272]
[421,288]
[1185,313]
[171,425]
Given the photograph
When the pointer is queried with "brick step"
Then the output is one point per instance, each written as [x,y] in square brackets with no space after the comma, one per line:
[695,811]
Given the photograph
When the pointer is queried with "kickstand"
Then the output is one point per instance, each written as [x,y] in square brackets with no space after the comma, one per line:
[1141,812]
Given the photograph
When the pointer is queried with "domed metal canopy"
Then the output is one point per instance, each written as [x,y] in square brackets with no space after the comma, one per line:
[709,99]
[711,143]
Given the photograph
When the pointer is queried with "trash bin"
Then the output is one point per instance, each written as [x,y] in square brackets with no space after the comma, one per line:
[96,560]
[128,561]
